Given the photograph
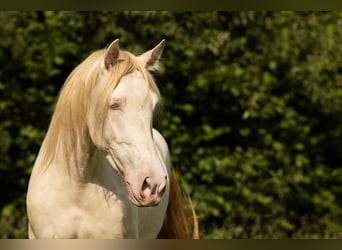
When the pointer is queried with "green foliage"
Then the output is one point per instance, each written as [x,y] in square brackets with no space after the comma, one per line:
[252,110]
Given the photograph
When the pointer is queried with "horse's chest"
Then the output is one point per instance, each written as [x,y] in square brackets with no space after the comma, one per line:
[104,215]
[91,213]
[109,215]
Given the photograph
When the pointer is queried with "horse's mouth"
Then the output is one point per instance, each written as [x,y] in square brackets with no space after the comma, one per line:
[140,201]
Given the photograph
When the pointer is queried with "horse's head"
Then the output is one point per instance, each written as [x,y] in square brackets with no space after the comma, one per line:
[120,121]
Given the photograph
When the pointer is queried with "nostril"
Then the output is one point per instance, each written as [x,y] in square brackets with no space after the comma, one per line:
[162,187]
[149,188]
[146,183]
[146,188]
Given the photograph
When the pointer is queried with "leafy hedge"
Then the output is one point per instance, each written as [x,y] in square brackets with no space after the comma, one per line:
[252,110]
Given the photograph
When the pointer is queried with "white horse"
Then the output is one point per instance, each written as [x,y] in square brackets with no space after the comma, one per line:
[102,170]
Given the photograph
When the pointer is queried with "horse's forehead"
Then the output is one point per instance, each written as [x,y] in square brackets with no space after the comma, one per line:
[135,74]
[133,83]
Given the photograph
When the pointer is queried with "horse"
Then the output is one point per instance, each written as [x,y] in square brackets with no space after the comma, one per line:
[102,170]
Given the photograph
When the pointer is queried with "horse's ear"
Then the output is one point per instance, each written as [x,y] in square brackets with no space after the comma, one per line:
[112,54]
[151,58]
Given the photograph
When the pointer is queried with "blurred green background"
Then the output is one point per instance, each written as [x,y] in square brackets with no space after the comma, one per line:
[252,110]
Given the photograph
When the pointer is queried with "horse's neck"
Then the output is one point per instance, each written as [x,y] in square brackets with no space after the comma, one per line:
[78,163]
[94,168]
[97,169]
[81,165]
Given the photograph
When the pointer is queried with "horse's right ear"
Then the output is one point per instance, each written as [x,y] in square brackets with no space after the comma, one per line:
[112,54]
[151,58]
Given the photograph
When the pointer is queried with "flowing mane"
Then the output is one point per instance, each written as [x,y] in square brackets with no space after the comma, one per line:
[75,123]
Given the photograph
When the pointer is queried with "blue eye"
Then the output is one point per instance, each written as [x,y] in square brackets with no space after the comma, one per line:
[115,106]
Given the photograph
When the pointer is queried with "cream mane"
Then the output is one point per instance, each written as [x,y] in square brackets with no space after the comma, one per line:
[77,124]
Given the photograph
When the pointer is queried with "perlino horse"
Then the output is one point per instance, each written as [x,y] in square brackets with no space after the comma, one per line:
[102,170]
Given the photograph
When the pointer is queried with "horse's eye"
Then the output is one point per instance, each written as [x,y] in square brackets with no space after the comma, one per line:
[115,106]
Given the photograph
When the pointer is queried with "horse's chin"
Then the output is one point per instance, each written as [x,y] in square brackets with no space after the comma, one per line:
[139,203]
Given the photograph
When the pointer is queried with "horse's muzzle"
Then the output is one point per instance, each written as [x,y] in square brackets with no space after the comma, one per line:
[149,194]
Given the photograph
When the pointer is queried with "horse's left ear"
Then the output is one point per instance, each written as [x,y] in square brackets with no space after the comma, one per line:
[151,58]
[112,54]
